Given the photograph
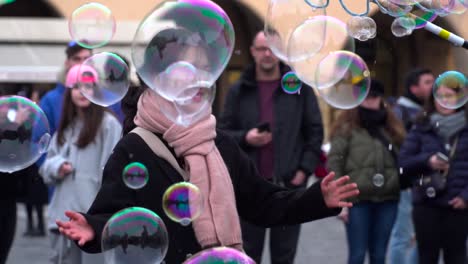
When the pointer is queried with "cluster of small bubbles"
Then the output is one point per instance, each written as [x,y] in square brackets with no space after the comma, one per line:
[183,202]
[220,255]
[403,26]
[362,28]
[392,9]
[451,89]
[24,133]
[134,235]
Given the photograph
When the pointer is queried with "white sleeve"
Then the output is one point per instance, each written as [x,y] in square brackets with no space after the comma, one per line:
[50,168]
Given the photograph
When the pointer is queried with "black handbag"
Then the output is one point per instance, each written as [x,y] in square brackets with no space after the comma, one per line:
[435,183]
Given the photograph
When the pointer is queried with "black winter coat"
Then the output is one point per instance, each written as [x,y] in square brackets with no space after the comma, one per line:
[421,143]
[298,130]
[258,201]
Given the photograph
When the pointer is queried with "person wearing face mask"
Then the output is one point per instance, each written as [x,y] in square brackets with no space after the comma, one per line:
[437,148]
[364,145]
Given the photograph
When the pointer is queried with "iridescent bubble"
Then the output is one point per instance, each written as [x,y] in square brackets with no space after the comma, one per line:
[183,202]
[464,3]
[220,255]
[92,25]
[362,28]
[453,7]
[354,79]
[134,235]
[336,38]
[291,83]
[403,26]
[405,2]
[442,7]
[451,89]
[135,175]
[185,36]
[282,19]
[103,78]
[24,133]
[392,9]
[421,16]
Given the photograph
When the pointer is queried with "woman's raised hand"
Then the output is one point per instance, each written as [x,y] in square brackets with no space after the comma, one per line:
[335,192]
[77,228]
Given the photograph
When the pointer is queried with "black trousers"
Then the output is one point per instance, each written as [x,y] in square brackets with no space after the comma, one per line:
[441,229]
[7,227]
[283,242]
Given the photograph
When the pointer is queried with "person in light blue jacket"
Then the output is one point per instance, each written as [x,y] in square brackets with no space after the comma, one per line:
[85,137]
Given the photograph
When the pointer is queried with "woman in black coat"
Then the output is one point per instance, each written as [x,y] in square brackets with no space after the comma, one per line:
[440,216]
[257,200]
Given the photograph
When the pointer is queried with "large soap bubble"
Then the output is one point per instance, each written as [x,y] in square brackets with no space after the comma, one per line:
[92,25]
[336,38]
[354,79]
[134,235]
[180,44]
[24,133]
[112,80]
[282,19]
[220,255]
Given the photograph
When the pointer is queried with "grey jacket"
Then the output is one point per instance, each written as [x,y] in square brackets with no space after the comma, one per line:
[77,190]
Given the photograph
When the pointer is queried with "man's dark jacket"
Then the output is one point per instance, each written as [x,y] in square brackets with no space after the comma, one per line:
[297,131]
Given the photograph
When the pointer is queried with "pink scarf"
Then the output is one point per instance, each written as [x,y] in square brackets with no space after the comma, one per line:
[218,224]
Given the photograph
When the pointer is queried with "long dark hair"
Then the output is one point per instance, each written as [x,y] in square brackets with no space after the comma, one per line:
[430,108]
[93,116]
[349,120]
[129,106]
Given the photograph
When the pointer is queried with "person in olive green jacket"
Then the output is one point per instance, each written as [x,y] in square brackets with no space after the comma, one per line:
[364,145]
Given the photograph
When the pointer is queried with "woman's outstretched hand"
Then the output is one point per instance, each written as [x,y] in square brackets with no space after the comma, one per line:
[77,228]
[335,192]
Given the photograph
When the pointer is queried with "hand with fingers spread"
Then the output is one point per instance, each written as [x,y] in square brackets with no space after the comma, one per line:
[335,192]
[77,228]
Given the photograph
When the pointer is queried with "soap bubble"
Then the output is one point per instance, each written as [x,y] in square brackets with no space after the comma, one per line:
[183,202]
[362,28]
[451,89]
[220,255]
[112,80]
[135,175]
[183,44]
[336,38]
[403,26]
[291,83]
[392,9]
[24,133]
[354,79]
[134,235]
[92,25]
[282,19]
